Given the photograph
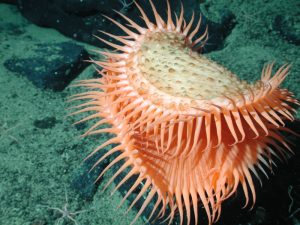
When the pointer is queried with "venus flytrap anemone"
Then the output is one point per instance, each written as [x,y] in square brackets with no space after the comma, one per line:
[187,128]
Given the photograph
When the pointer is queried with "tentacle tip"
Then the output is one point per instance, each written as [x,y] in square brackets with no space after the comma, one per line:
[245,205]
[84,135]
[255,137]
[234,143]
[242,139]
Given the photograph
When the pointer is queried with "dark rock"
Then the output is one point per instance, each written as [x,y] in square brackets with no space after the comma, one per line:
[219,31]
[52,66]
[82,20]
[86,180]
[45,123]
[84,183]
[83,8]
[288,27]
[74,18]
[14,2]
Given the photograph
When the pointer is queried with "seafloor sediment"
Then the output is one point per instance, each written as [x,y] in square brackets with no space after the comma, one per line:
[41,153]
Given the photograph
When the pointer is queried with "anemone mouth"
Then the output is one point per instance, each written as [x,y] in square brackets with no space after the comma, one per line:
[168,64]
[188,127]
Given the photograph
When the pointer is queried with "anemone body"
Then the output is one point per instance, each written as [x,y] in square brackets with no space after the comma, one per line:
[188,127]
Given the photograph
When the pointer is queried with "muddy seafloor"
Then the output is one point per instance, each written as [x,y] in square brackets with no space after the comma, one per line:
[41,152]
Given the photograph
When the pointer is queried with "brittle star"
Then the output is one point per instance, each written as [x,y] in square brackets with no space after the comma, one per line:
[125,5]
[66,213]
[4,130]
[292,214]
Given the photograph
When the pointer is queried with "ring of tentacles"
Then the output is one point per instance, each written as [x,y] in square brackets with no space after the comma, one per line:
[188,129]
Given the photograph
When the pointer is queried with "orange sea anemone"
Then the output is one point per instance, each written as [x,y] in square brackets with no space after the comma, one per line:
[188,127]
